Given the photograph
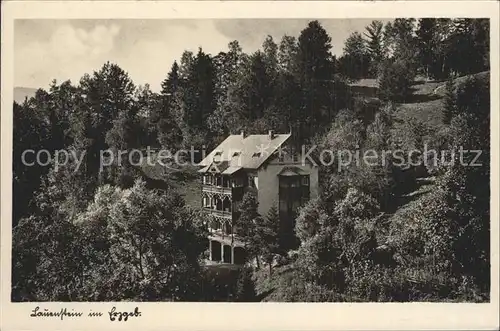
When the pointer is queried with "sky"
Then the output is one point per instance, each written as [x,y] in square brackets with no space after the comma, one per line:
[67,49]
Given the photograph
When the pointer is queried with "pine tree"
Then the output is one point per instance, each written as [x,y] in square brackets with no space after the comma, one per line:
[400,42]
[198,99]
[270,50]
[287,54]
[256,88]
[375,48]
[266,236]
[426,38]
[355,61]
[246,223]
[315,74]
[228,66]
[164,117]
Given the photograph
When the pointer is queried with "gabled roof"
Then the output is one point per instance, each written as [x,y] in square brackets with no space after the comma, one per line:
[291,171]
[248,152]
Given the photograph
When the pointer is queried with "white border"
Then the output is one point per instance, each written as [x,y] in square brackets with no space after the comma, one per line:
[213,316]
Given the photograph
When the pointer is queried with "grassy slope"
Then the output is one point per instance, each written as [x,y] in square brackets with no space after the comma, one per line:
[184,179]
[425,106]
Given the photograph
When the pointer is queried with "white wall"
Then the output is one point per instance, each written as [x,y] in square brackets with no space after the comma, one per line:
[268,193]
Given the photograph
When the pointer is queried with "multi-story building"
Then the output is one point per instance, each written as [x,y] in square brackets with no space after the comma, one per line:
[264,163]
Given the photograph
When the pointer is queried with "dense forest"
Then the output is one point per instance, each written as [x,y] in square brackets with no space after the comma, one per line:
[90,234]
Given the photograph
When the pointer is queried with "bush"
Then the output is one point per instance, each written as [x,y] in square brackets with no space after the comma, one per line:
[394,81]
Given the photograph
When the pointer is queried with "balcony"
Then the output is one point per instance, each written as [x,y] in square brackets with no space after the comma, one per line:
[220,213]
[217,189]
[226,239]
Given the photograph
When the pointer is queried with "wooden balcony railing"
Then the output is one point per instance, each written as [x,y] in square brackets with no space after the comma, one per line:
[217,189]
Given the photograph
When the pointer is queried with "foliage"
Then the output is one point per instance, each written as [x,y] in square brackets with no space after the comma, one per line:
[395,81]
[355,61]
[128,244]
[245,287]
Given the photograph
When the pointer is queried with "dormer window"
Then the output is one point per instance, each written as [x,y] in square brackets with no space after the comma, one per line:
[235,154]
[218,153]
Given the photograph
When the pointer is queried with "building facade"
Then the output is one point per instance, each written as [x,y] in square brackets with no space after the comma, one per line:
[263,163]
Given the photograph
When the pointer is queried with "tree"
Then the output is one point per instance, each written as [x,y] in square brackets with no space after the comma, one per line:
[468,46]
[270,50]
[107,103]
[355,62]
[245,225]
[395,81]
[400,35]
[255,91]
[123,136]
[164,118]
[229,70]
[310,220]
[266,236]
[427,44]
[287,54]
[155,243]
[30,132]
[245,287]
[344,240]
[449,102]
[198,95]
[374,33]
[314,75]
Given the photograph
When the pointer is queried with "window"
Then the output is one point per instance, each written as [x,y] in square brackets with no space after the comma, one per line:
[251,182]
[256,154]
[305,180]
[206,202]
[281,157]
[235,154]
[295,158]
[218,153]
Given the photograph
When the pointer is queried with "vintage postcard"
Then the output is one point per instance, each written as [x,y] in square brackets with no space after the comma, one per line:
[249,165]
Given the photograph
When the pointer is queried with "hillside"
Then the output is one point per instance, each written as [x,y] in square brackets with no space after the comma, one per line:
[426,103]
[426,106]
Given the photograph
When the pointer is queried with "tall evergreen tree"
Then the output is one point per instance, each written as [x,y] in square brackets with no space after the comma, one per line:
[374,34]
[256,87]
[266,236]
[270,50]
[229,67]
[426,38]
[314,74]
[287,54]
[164,118]
[355,61]
[198,99]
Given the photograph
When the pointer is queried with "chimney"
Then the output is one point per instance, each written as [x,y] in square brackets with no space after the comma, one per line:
[271,134]
[242,134]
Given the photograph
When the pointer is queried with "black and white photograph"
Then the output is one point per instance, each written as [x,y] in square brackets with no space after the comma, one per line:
[287,160]
[251,160]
